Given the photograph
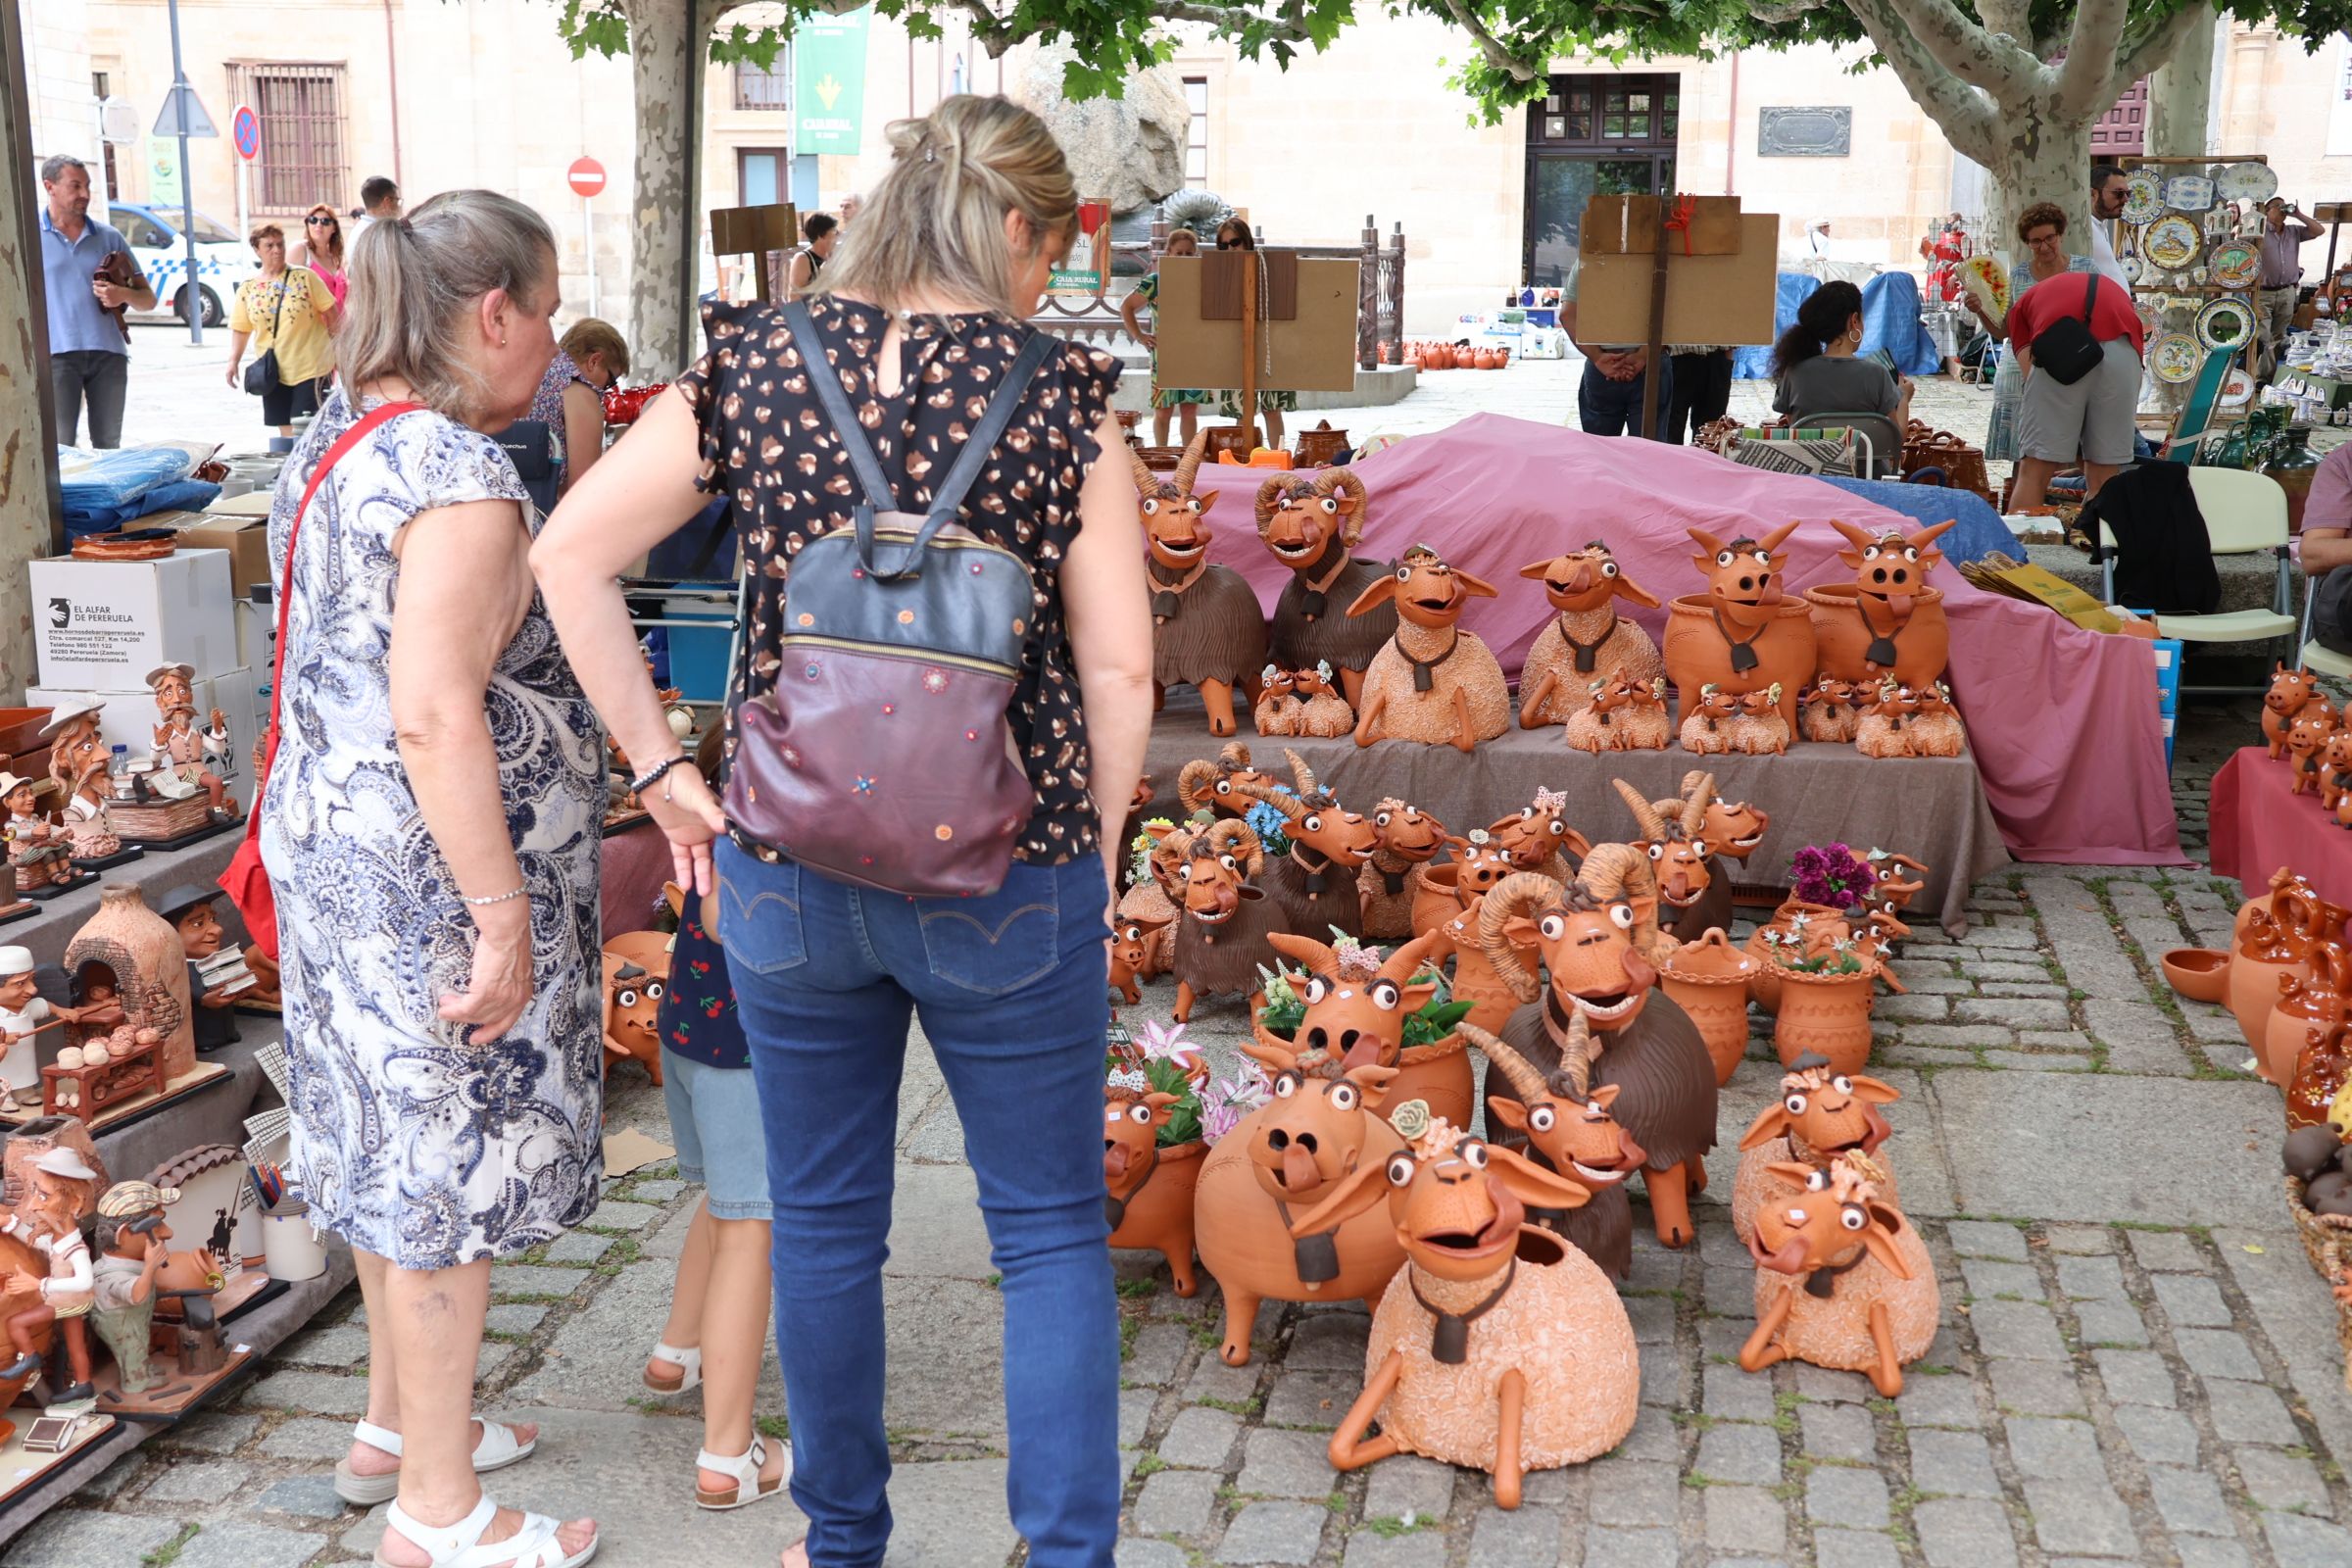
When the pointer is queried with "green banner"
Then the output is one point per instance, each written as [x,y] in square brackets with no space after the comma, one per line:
[828,82]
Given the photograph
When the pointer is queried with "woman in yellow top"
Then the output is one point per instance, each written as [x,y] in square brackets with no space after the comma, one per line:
[286,308]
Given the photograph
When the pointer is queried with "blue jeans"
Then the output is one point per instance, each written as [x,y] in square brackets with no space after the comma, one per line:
[1614,408]
[1011,991]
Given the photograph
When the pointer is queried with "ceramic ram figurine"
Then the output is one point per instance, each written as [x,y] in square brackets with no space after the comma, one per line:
[1600,726]
[1313,525]
[1829,710]
[1572,1133]
[1820,1116]
[1146,1204]
[1692,895]
[1276,710]
[1206,629]
[1205,786]
[1314,884]
[1407,839]
[1357,1001]
[1762,727]
[1430,681]
[1887,623]
[1884,730]
[1587,640]
[1713,718]
[1279,1161]
[2290,692]
[1843,1280]
[1599,1015]
[1743,633]
[1500,1348]
[1732,827]
[1936,730]
[1537,836]
[1222,939]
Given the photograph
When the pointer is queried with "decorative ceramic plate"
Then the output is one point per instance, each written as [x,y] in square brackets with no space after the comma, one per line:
[2237,389]
[2188,193]
[2175,358]
[2143,197]
[2132,267]
[2226,324]
[2235,263]
[2171,242]
[1986,283]
[2247,182]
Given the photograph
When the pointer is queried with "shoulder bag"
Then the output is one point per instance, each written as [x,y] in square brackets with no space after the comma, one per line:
[261,376]
[247,881]
[2066,350]
[883,756]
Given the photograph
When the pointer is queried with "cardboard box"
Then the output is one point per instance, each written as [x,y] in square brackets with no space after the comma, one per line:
[101,625]
[246,539]
[129,719]
[1312,350]
[1628,225]
[1709,299]
[257,635]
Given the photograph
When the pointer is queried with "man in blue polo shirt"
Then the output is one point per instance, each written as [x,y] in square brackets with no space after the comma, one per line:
[89,346]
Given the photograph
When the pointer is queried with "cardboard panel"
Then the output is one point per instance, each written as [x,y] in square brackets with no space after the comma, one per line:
[1709,299]
[1314,351]
[1222,281]
[749,231]
[1629,225]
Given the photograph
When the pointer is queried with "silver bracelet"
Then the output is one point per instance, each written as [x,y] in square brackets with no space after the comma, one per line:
[498,897]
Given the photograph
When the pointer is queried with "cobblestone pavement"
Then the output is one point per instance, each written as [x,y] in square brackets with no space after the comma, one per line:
[2137,1363]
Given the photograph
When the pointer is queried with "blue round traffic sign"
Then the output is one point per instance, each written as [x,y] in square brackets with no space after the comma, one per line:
[245,128]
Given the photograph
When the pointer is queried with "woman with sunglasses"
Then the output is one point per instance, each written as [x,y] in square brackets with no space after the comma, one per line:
[1234,234]
[322,251]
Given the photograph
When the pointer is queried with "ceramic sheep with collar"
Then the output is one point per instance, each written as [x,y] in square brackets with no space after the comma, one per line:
[1586,639]
[1432,681]
[1843,1280]
[1820,1117]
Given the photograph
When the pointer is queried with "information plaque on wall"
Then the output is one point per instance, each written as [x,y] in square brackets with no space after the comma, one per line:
[1802,132]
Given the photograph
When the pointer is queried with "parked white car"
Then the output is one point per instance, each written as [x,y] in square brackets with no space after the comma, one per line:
[223,261]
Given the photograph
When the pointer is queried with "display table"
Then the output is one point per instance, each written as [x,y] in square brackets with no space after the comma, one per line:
[2256,826]
[1929,807]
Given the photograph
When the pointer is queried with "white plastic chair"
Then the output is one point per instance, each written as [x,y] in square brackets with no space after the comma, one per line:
[2244,513]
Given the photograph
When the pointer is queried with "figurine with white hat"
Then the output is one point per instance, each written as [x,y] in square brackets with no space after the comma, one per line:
[184,753]
[78,755]
[52,1226]
[24,1014]
[37,848]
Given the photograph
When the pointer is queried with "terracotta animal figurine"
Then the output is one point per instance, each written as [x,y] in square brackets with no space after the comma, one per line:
[1448,903]
[1276,711]
[1885,727]
[2292,690]
[1936,730]
[1714,718]
[1357,1001]
[1829,710]
[2306,737]
[1283,1159]
[1587,640]
[1206,629]
[1314,884]
[1312,525]
[1140,1215]
[1572,1133]
[1647,726]
[1762,728]
[1691,896]
[1538,838]
[1500,1348]
[1131,942]
[1820,1116]
[636,967]
[1432,681]
[1443,891]
[1151,897]
[2335,768]
[1843,1280]
[1600,1017]
[1601,724]
[1734,827]
[1743,633]
[1887,623]
[1221,941]
[1323,711]
[1406,838]
[1901,879]
[1205,786]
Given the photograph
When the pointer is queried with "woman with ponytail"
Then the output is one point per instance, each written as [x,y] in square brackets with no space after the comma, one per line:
[1815,369]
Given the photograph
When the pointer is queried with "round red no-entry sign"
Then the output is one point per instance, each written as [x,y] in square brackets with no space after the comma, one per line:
[587,177]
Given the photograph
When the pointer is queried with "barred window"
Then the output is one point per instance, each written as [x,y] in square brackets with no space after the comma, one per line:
[768,87]
[303,157]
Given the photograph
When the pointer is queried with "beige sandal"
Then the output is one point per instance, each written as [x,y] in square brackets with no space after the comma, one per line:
[750,1485]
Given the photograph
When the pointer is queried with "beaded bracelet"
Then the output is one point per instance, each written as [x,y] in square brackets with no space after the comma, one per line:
[653,775]
[498,897]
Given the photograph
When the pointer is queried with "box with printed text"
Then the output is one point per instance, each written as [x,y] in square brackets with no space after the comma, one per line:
[101,625]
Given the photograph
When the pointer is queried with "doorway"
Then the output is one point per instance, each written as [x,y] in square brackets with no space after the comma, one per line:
[1593,136]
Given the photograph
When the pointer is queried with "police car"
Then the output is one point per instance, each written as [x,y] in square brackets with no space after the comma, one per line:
[223,261]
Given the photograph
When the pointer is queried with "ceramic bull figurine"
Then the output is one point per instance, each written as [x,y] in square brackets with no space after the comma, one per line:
[1357,1001]
[1574,1134]
[1843,1280]
[1406,838]
[1314,884]
[1820,1116]
[1587,640]
[1432,681]
[1743,633]
[1887,623]
[1313,525]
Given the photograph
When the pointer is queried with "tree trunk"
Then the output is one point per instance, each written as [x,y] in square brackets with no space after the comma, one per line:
[2039,158]
[2180,95]
[27,474]
[663,212]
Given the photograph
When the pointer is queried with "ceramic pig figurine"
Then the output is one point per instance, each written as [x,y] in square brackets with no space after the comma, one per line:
[1820,1116]
[2290,691]
[2306,735]
[1587,640]
[636,973]
[2335,768]
[1131,955]
[1843,1280]
[1432,681]
[1743,634]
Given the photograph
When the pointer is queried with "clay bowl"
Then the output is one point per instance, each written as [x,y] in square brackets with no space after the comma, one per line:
[2201,974]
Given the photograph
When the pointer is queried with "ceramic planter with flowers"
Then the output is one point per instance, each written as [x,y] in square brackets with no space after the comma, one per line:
[1824,1001]
[1347,1004]
[1806,927]
[1153,1138]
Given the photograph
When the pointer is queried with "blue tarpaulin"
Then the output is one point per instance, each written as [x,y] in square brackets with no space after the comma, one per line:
[1889,321]
[1978,530]
[104,490]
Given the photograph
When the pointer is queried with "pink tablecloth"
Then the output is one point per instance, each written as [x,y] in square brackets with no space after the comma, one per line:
[2063,721]
[2256,827]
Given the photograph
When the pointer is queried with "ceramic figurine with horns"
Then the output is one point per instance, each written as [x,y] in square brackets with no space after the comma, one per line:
[1888,622]
[1206,629]
[1843,1280]
[1694,890]
[1357,1001]
[1312,525]
[1821,1117]
[1432,681]
[1743,634]
[1314,883]
[1224,917]
[1406,838]
[1586,639]
[1576,1134]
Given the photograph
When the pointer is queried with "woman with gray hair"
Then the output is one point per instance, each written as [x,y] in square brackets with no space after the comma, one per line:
[429,825]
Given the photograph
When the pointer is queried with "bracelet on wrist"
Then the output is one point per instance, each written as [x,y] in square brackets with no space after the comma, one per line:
[654,774]
[498,897]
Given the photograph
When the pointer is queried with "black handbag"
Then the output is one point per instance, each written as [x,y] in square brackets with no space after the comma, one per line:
[2066,350]
[261,376]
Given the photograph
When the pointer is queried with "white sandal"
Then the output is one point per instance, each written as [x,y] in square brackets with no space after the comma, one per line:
[461,1545]
[691,1361]
[499,1448]
[745,1467]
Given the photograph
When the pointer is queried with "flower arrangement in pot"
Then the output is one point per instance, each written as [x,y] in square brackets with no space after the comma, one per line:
[1157,1102]
[1832,874]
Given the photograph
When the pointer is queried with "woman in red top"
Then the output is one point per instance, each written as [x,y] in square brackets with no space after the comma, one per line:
[2090,419]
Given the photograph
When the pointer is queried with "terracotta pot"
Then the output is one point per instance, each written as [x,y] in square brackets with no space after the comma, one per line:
[1438,1073]
[1824,925]
[2201,974]
[2304,1005]
[1827,1014]
[1841,643]
[1321,445]
[1159,1216]
[1709,979]
[1697,654]
[2286,881]
[189,1271]
[2322,1068]
[1502,357]
[2269,952]
[142,952]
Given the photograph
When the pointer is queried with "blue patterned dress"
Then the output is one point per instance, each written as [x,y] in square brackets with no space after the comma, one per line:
[408,1140]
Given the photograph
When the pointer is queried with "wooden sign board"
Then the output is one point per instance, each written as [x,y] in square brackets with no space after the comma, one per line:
[755,231]
[1622,225]
[1312,351]
[1709,299]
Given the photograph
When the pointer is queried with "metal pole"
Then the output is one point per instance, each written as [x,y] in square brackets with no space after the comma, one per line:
[187,186]
[588,236]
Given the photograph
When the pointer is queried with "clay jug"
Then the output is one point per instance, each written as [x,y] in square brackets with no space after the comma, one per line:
[1321,445]
[2294,468]
[2304,1002]
[1827,1015]
[1841,640]
[2270,950]
[142,952]
[2322,1068]
[2280,881]
[1696,653]
[1159,1217]
[1709,979]
[1438,1073]
[1823,925]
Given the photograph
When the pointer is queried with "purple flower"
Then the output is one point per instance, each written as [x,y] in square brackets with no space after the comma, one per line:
[1831,875]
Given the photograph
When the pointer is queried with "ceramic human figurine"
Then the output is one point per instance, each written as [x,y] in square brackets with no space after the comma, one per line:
[1829,710]
[1227,918]
[77,762]
[636,973]
[1586,639]
[1691,896]
[138,955]
[1843,1280]
[1430,681]
[194,758]
[130,1238]
[1499,1348]
[1762,728]
[1314,882]
[1282,1159]
[1313,525]
[1147,1201]
[2290,692]
[1886,721]
[39,849]
[1647,726]
[24,1014]
[1357,1001]
[1130,942]
[1713,718]
[1601,724]
[1565,1131]
[1202,785]
[1323,712]
[1887,623]
[195,915]
[1821,1115]
[51,1225]
[1407,838]
[1599,1015]
[1936,730]
[1206,629]
[1743,633]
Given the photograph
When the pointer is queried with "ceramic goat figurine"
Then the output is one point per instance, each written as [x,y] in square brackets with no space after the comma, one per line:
[1762,727]
[1587,640]
[1604,724]
[1820,1116]
[1884,730]
[1314,884]
[1407,839]
[1732,827]
[1499,1348]
[1303,701]
[1575,1133]
[1206,629]
[2290,692]
[1432,681]
[1311,524]
[1222,939]
[1843,1280]
[1690,894]
[1539,837]
[1276,710]
[1205,786]
[1936,730]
